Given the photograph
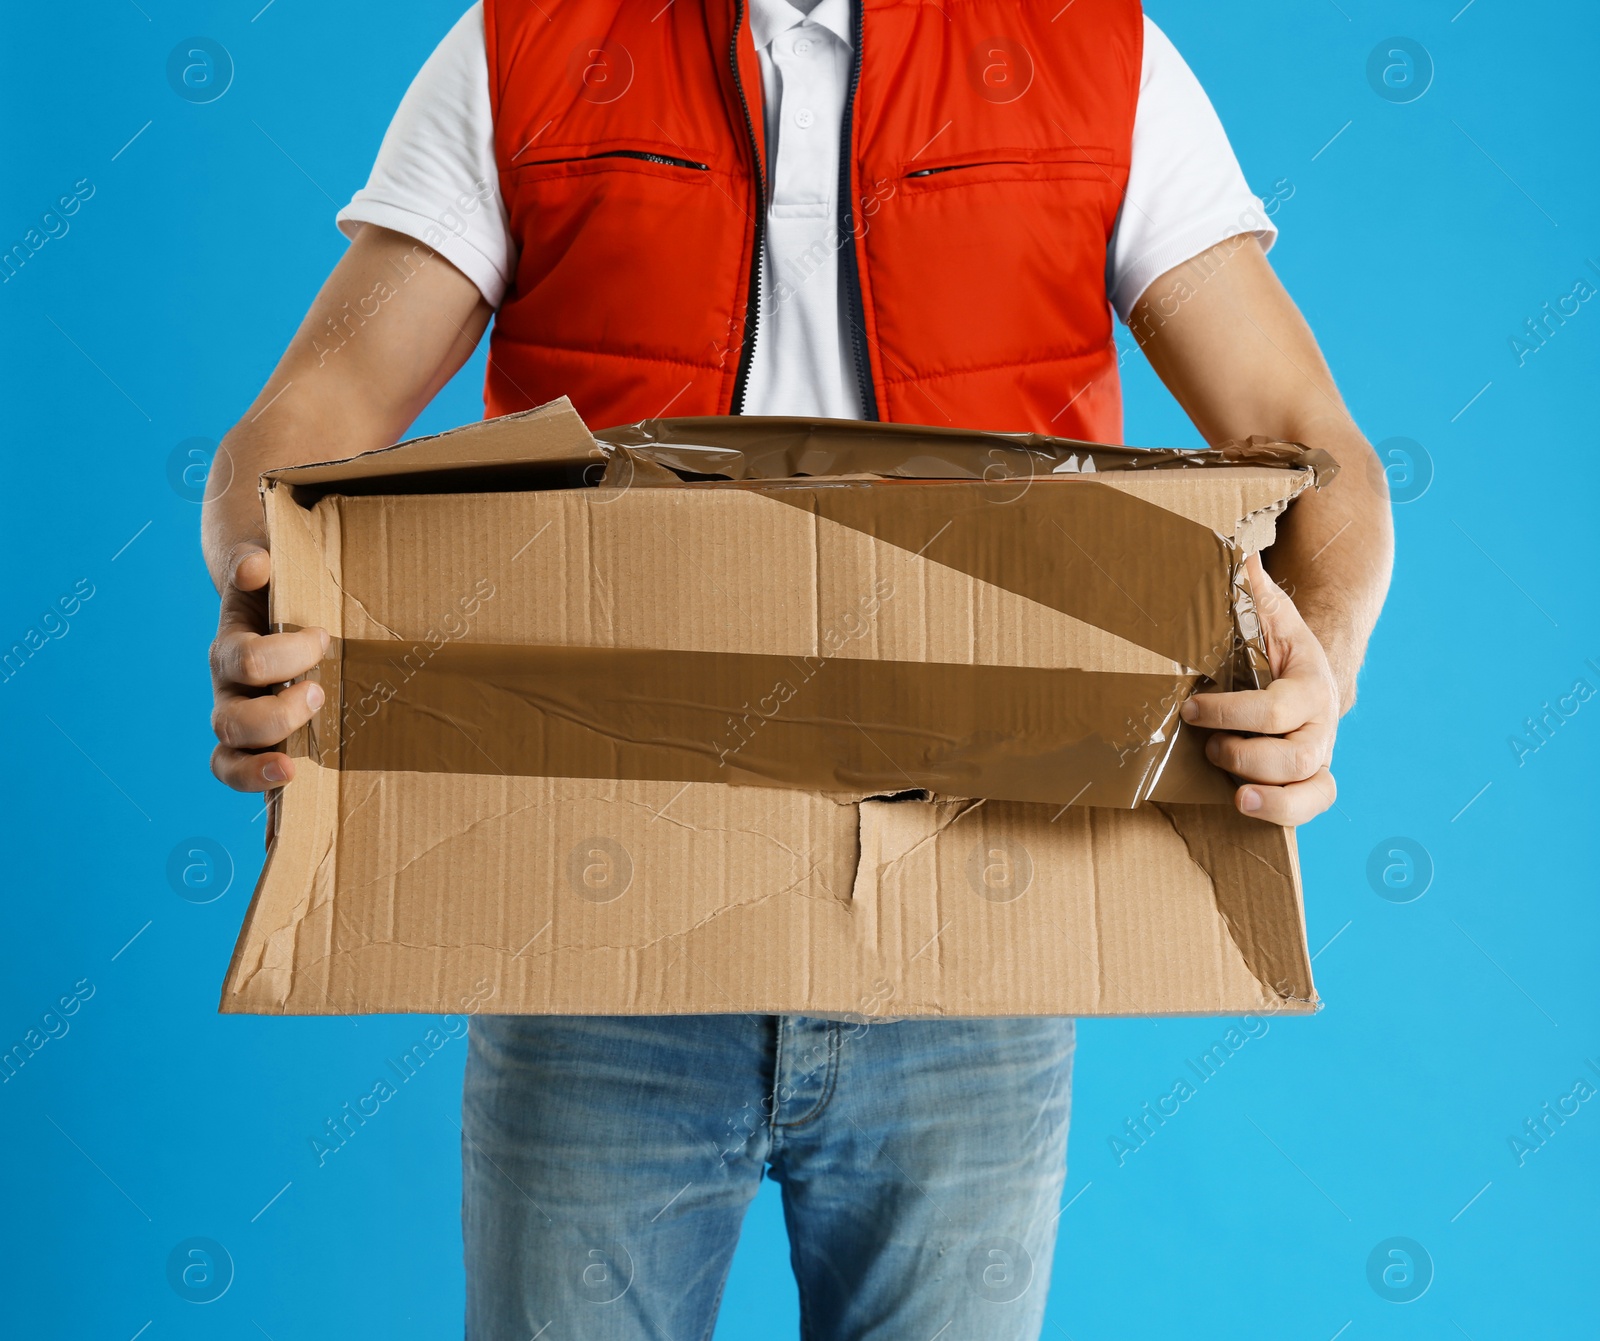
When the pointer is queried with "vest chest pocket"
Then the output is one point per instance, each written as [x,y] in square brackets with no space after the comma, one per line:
[647,161]
[612,197]
[1090,165]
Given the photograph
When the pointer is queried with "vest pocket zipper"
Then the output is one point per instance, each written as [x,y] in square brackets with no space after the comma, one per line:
[1003,163]
[666,160]
[958,167]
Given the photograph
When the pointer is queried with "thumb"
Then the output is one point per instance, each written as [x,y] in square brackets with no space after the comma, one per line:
[249,566]
[1281,624]
[1276,610]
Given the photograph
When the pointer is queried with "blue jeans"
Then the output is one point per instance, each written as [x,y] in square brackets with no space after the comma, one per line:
[608,1162]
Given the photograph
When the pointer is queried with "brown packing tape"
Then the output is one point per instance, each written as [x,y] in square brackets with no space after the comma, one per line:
[1188,776]
[812,723]
[951,522]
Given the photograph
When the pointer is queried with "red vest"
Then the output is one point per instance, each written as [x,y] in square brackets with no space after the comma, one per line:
[986,149]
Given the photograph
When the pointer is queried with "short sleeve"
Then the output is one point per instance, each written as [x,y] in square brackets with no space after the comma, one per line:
[1186,191]
[435,178]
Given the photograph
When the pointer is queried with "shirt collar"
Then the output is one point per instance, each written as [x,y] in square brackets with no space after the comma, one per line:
[771,18]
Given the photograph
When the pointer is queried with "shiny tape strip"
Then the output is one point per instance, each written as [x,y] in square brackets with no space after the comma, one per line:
[812,723]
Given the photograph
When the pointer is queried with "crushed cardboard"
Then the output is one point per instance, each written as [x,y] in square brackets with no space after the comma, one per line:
[540,777]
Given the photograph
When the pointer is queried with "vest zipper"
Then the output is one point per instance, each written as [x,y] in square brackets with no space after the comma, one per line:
[752,309]
[849,269]
[666,160]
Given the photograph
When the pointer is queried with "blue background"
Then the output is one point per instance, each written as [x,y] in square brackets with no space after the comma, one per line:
[1417,236]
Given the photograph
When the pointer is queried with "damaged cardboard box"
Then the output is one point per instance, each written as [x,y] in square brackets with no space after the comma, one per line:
[716,715]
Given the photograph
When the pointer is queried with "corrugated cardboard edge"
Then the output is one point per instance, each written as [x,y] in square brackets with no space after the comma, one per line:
[1247,862]
[897,844]
[305,592]
[305,839]
[552,433]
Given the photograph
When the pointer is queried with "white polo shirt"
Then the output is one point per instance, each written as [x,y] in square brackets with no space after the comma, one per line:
[803,363]
[435,179]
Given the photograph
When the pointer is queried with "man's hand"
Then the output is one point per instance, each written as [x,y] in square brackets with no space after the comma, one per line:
[389,357]
[249,666]
[1231,346]
[1285,761]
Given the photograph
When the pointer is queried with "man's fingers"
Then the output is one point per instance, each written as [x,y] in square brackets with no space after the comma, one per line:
[1275,759]
[1290,805]
[246,772]
[260,659]
[252,723]
[1283,706]
[243,656]
[1278,739]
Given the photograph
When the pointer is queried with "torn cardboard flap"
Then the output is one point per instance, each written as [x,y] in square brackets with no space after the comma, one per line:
[753,447]
[628,748]
[494,453]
